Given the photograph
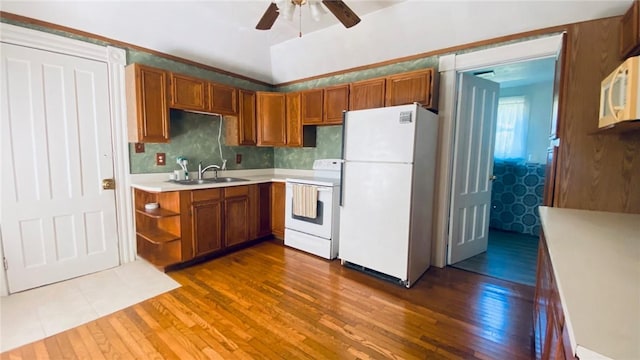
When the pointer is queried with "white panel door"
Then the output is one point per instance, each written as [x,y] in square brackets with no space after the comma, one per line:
[57,221]
[472,167]
[380,135]
[375,216]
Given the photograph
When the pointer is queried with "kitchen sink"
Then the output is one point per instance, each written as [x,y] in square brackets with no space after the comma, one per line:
[207,181]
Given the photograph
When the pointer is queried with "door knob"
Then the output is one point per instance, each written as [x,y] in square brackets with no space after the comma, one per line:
[492,177]
[108,184]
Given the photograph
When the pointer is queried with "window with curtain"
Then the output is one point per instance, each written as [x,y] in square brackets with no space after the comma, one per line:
[511,129]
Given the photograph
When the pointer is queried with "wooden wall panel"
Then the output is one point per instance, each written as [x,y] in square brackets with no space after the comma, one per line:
[596,172]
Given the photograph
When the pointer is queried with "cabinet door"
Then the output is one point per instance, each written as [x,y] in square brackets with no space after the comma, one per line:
[312,106]
[264,214]
[367,94]
[223,99]
[260,209]
[236,220]
[188,93]
[277,209]
[207,226]
[271,119]
[147,104]
[410,87]
[336,100]
[247,117]
[294,121]
[630,31]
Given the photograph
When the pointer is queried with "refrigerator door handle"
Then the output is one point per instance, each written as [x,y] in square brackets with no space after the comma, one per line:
[344,130]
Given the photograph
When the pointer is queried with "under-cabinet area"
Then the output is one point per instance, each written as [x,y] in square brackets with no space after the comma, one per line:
[192,224]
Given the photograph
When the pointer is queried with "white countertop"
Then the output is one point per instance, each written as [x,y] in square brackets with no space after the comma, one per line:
[159,182]
[596,261]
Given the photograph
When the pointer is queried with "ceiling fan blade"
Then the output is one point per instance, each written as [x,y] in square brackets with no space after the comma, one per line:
[269,17]
[341,11]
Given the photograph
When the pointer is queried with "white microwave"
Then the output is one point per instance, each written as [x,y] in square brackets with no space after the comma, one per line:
[619,95]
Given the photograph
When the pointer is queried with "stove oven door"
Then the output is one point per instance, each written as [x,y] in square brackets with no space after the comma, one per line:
[321,225]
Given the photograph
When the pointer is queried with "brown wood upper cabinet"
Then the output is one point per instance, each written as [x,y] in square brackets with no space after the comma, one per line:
[293,119]
[410,87]
[630,32]
[271,109]
[223,99]
[188,93]
[367,94]
[324,106]
[336,100]
[242,129]
[247,116]
[279,120]
[312,105]
[147,104]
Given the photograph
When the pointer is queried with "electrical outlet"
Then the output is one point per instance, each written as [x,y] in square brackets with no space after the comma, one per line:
[139,147]
[160,159]
[238,158]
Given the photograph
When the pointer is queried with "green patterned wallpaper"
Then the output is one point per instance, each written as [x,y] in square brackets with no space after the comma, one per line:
[329,146]
[428,62]
[195,136]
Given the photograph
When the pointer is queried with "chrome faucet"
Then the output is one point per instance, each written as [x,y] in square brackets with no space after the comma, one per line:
[202,171]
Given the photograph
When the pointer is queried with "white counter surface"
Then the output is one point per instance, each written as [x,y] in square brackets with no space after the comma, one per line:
[159,182]
[596,261]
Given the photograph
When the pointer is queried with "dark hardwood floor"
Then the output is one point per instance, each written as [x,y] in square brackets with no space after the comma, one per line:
[510,256]
[272,302]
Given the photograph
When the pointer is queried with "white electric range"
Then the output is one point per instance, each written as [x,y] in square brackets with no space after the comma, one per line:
[319,235]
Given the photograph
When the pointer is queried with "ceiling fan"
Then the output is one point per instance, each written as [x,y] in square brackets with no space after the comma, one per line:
[337,7]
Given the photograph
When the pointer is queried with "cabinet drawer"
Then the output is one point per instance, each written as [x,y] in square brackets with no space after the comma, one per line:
[236,191]
[207,194]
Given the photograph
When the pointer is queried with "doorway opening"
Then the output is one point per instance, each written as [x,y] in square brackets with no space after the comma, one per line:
[519,149]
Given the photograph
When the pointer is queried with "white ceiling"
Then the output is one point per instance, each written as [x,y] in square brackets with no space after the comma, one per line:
[221,33]
[520,73]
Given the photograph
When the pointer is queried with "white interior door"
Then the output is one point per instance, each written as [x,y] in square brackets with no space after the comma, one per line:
[477,105]
[56,219]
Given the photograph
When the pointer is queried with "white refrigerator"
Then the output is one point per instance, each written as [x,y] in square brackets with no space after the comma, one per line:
[387,193]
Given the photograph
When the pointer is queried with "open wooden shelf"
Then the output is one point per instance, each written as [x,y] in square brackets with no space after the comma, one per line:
[157,236]
[158,231]
[157,213]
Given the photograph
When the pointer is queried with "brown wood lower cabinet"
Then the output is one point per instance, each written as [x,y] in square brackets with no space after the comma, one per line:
[260,203]
[206,220]
[277,209]
[194,223]
[550,331]
[236,215]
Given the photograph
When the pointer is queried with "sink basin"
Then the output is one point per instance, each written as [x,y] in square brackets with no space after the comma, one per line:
[224,180]
[207,181]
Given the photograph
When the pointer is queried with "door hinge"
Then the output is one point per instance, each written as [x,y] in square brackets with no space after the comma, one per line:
[5,263]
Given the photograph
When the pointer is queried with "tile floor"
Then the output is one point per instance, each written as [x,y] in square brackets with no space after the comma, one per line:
[35,314]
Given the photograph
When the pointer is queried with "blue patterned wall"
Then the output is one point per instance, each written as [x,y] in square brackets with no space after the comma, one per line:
[516,194]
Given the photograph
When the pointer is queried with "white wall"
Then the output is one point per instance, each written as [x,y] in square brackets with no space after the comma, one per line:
[540,97]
